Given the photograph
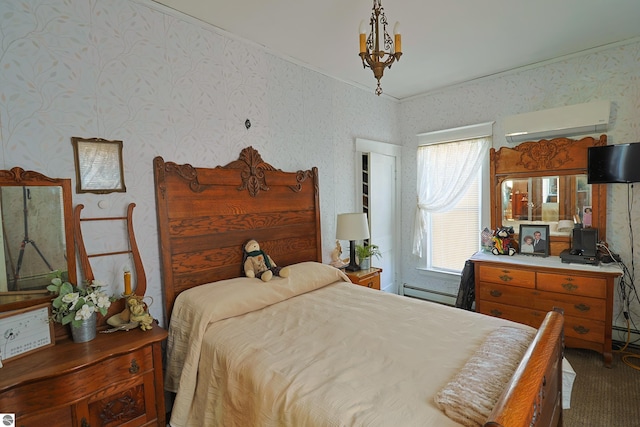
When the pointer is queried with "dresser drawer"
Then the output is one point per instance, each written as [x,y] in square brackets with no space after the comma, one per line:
[52,417]
[510,276]
[573,285]
[122,367]
[522,315]
[576,306]
[584,329]
[41,395]
[504,294]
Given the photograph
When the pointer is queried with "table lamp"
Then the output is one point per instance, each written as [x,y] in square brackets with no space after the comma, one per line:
[352,227]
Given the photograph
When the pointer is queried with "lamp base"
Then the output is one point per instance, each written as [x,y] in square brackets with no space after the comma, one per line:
[352,257]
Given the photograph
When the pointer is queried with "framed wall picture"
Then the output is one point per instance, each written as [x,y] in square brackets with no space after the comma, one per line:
[25,331]
[98,166]
[534,239]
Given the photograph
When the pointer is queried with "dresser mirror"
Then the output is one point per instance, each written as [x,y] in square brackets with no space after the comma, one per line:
[545,182]
[547,199]
[37,236]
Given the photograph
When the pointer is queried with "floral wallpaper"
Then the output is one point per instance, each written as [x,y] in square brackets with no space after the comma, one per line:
[167,85]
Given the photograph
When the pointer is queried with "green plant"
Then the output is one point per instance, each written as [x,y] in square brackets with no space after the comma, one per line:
[74,304]
[368,251]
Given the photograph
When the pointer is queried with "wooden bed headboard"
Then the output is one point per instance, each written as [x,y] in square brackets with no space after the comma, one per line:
[205,215]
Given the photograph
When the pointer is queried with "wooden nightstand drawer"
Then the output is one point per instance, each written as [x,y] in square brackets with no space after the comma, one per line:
[508,276]
[573,285]
[369,277]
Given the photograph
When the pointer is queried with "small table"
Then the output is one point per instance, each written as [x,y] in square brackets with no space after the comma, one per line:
[369,277]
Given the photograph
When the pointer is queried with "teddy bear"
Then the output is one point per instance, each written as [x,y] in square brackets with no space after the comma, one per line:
[259,264]
[503,242]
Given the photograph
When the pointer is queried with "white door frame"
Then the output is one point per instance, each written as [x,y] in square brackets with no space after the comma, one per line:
[395,151]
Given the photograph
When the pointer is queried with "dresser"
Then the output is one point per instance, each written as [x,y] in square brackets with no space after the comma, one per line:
[113,380]
[524,288]
[369,277]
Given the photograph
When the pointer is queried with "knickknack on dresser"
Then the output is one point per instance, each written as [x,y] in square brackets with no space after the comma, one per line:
[544,182]
[112,380]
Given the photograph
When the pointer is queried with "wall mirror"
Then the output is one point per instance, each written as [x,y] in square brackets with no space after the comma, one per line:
[37,236]
[98,166]
[545,182]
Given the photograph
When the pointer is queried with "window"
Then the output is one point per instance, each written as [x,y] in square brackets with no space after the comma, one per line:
[452,196]
[455,234]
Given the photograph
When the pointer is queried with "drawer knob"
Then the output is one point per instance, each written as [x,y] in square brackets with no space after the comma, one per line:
[496,312]
[370,284]
[581,330]
[134,368]
[505,278]
[495,293]
[582,307]
[569,286]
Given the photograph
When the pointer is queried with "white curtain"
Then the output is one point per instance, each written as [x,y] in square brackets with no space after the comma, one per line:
[444,173]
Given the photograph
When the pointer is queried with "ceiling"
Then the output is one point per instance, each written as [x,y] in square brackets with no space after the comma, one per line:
[443,43]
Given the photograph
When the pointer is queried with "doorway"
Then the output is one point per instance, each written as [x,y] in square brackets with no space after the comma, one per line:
[378,190]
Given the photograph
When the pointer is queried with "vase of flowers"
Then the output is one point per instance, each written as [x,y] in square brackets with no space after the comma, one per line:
[78,306]
[86,331]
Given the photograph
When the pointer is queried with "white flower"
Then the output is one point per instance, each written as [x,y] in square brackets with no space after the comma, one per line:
[85,312]
[71,299]
[92,297]
[103,300]
[97,283]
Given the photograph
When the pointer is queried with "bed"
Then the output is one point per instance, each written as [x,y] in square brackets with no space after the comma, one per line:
[313,349]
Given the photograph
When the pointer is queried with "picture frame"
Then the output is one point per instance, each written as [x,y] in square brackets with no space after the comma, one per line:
[99,166]
[587,216]
[25,331]
[529,245]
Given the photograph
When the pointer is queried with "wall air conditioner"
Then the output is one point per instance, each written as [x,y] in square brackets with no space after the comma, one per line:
[579,119]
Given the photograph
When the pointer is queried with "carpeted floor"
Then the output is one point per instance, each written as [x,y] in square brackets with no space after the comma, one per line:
[603,397]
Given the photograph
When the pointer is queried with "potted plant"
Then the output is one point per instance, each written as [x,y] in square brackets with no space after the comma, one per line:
[365,252]
[78,305]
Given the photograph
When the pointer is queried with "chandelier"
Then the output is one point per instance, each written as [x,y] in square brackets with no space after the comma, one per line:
[379,51]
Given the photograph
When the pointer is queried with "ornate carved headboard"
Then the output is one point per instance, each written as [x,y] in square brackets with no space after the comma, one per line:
[205,215]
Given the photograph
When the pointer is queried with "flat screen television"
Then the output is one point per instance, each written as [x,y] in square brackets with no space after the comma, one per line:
[614,163]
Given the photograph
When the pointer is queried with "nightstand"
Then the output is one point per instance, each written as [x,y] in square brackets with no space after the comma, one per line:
[369,277]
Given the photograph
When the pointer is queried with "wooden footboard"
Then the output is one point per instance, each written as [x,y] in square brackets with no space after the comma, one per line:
[533,397]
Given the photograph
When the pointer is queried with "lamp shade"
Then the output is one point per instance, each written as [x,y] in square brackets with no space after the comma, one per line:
[352,226]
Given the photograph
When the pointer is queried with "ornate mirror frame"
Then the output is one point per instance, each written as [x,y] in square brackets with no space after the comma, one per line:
[561,157]
[18,177]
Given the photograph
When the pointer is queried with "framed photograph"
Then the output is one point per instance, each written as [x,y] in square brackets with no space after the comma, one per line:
[534,239]
[25,331]
[587,216]
[98,166]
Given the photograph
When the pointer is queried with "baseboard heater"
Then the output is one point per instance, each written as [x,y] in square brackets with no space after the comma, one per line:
[429,295]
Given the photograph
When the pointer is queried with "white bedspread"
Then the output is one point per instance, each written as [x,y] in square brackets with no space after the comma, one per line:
[328,354]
